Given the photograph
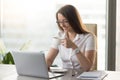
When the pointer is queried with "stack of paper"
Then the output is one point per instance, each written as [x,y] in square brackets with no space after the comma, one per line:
[58,69]
[94,75]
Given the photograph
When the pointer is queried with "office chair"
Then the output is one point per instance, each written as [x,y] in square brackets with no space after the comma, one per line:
[93,29]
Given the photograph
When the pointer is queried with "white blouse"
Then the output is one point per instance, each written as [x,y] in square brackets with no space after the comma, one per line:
[84,42]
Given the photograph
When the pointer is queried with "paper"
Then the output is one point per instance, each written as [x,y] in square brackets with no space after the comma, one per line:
[58,69]
[97,75]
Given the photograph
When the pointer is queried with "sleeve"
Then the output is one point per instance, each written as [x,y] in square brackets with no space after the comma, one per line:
[91,43]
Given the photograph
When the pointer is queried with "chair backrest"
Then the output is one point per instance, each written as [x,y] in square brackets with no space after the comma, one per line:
[93,28]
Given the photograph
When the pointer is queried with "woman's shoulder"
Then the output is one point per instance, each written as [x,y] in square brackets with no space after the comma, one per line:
[90,34]
[87,35]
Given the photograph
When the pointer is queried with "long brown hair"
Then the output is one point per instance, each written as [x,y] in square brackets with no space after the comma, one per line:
[73,17]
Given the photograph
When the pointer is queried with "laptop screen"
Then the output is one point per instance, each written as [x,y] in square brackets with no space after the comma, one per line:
[31,64]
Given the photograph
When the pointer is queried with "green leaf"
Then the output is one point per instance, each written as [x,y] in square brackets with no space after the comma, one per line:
[8,59]
[2,47]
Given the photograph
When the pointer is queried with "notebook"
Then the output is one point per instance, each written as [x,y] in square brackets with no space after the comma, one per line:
[32,64]
[96,75]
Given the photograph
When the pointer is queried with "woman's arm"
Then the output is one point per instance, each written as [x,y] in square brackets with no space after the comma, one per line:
[51,56]
[86,61]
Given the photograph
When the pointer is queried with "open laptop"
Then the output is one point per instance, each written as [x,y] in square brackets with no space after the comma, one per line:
[32,64]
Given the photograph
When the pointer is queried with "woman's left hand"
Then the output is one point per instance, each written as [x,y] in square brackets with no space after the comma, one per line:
[67,42]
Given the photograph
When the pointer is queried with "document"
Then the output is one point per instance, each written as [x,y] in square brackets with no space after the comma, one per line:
[94,75]
[58,70]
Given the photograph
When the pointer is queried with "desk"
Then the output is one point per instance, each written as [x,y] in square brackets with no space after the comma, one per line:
[8,72]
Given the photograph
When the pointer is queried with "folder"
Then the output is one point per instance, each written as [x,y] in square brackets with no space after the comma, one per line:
[94,75]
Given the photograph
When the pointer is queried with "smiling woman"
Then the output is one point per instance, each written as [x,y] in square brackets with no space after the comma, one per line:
[78,47]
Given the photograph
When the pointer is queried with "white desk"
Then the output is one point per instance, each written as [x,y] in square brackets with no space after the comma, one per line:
[8,72]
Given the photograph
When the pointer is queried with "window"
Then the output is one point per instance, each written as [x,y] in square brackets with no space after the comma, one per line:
[34,22]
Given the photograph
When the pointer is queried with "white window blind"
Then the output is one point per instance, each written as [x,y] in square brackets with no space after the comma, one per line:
[33,21]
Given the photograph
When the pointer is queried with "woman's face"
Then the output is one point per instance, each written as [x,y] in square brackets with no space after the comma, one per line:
[63,22]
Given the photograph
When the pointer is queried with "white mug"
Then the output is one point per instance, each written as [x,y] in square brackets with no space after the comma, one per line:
[57,41]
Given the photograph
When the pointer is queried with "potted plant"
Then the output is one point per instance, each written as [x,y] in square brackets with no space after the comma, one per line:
[5,57]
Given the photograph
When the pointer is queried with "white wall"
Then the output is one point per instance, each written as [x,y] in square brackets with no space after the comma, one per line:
[118,37]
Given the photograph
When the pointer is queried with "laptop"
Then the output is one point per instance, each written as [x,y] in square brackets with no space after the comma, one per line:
[32,64]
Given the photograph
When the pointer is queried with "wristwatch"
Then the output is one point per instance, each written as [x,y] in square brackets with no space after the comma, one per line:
[76,51]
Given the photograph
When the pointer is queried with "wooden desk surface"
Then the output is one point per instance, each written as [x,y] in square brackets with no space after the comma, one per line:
[8,72]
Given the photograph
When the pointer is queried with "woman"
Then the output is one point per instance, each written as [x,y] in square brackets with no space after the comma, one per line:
[77,46]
